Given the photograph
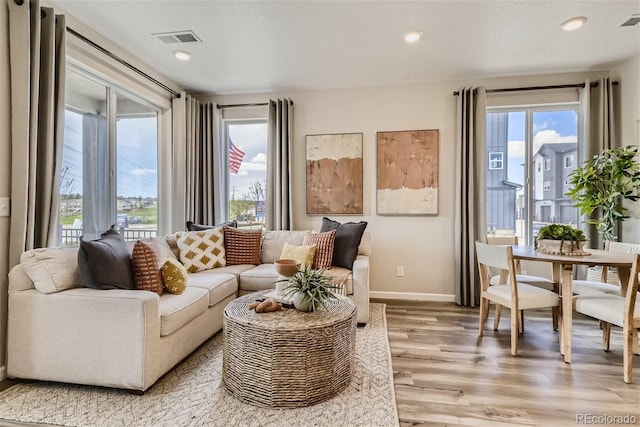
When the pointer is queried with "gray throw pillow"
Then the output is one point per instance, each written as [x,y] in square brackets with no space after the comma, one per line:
[106,263]
[348,237]
[192,226]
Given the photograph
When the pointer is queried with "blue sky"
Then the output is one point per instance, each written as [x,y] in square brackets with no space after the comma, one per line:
[252,139]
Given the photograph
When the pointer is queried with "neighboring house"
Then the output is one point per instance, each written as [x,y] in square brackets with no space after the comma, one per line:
[501,193]
[553,164]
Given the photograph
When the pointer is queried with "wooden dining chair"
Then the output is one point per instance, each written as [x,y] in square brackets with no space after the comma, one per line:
[497,279]
[591,287]
[619,310]
[516,296]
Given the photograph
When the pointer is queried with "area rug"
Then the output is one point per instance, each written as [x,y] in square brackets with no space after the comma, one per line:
[193,394]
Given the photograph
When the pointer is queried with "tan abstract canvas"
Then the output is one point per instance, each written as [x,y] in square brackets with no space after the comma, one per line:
[334,174]
[407,172]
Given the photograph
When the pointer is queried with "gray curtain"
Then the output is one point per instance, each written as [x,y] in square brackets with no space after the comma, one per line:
[598,129]
[280,134]
[205,197]
[37,56]
[470,213]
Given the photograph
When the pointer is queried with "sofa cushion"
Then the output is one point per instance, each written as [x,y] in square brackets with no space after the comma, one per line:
[302,253]
[174,276]
[259,278]
[218,285]
[178,310]
[242,246]
[192,226]
[147,265]
[348,237]
[201,250]
[342,278]
[52,269]
[324,247]
[105,263]
[273,242]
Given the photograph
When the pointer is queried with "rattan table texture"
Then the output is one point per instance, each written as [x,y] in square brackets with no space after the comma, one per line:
[287,358]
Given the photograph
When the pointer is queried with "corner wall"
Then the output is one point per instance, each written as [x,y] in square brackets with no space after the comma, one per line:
[5,176]
[628,74]
[423,245]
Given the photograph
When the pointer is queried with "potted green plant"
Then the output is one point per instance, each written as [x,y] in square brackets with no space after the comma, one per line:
[560,239]
[309,289]
[602,183]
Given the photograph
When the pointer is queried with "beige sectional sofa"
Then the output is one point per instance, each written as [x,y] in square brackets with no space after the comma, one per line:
[61,331]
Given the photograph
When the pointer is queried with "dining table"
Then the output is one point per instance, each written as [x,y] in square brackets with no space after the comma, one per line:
[563,271]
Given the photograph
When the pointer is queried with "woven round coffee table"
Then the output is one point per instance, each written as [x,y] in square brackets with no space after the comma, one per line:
[287,358]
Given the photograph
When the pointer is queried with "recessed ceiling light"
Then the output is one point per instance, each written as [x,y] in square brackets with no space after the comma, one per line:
[412,36]
[182,55]
[573,23]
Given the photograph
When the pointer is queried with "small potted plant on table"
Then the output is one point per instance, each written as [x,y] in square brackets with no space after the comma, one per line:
[308,289]
[561,239]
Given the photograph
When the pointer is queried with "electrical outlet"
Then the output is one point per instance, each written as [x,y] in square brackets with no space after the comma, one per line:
[400,271]
[4,206]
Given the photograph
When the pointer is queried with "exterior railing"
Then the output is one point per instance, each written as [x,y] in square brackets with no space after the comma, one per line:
[71,236]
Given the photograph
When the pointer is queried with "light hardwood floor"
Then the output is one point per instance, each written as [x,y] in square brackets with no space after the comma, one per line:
[446,375]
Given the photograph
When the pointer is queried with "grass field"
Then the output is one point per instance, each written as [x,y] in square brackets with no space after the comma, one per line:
[148,215]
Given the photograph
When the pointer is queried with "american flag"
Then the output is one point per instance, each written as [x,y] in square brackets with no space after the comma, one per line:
[235,158]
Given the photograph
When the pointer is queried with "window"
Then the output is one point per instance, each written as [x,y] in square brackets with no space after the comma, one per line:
[495,161]
[521,198]
[569,162]
[247,161]
[107,177]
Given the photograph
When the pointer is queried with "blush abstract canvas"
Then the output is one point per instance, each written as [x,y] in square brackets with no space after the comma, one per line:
[407,172]
[334,174]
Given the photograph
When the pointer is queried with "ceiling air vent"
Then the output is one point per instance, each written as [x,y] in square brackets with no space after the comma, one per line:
[186,36]
[633,20]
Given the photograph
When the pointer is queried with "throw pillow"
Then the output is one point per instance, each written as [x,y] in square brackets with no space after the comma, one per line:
[105,263]
[324,247]
[242,246]
[348,237]
[52,269]
[145,259]
[174,276]
[201,250]
[304,254]
[192,226]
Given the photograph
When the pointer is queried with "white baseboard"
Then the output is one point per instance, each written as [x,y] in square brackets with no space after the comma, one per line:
[3,373]
[412,296]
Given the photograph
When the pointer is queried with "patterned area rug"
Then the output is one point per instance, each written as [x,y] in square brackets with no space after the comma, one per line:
[192,394]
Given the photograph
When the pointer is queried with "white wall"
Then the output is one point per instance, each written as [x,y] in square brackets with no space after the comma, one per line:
[5,173]
[422,244]
[628,74]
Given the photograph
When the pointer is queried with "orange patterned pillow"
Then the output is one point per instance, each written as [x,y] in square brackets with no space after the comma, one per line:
[145,259]
[324,247]
[242,246]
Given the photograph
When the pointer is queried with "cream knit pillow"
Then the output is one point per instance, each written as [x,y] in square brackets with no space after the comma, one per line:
[201,250]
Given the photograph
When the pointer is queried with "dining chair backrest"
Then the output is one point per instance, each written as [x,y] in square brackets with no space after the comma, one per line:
[496,239]
[621,247]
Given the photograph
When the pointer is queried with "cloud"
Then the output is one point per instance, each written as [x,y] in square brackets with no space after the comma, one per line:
[143,171]
[258,163]
[259,158]
[516,149]
[550,136]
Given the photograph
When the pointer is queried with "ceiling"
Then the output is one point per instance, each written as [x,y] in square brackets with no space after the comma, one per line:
[264,46]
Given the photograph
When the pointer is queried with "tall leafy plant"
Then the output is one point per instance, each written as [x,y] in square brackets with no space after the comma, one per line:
[602,183]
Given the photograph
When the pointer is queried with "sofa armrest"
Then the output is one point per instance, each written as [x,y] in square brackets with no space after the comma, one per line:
[361,287]
[82,335]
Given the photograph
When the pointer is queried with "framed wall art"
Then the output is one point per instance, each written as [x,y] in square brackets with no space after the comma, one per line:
[334,174]
[407,172]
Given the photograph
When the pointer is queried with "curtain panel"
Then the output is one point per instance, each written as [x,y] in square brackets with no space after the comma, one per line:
[470,211]
[279,137]
[598,130]
[37,50]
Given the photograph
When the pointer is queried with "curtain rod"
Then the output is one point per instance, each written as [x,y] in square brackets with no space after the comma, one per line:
[122,61]
[257,104]
[526,88]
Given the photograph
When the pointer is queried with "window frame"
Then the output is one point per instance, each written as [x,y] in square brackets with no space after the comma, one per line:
[494,161]
[546,186]
[572,159]
[113,88]
[546,165]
